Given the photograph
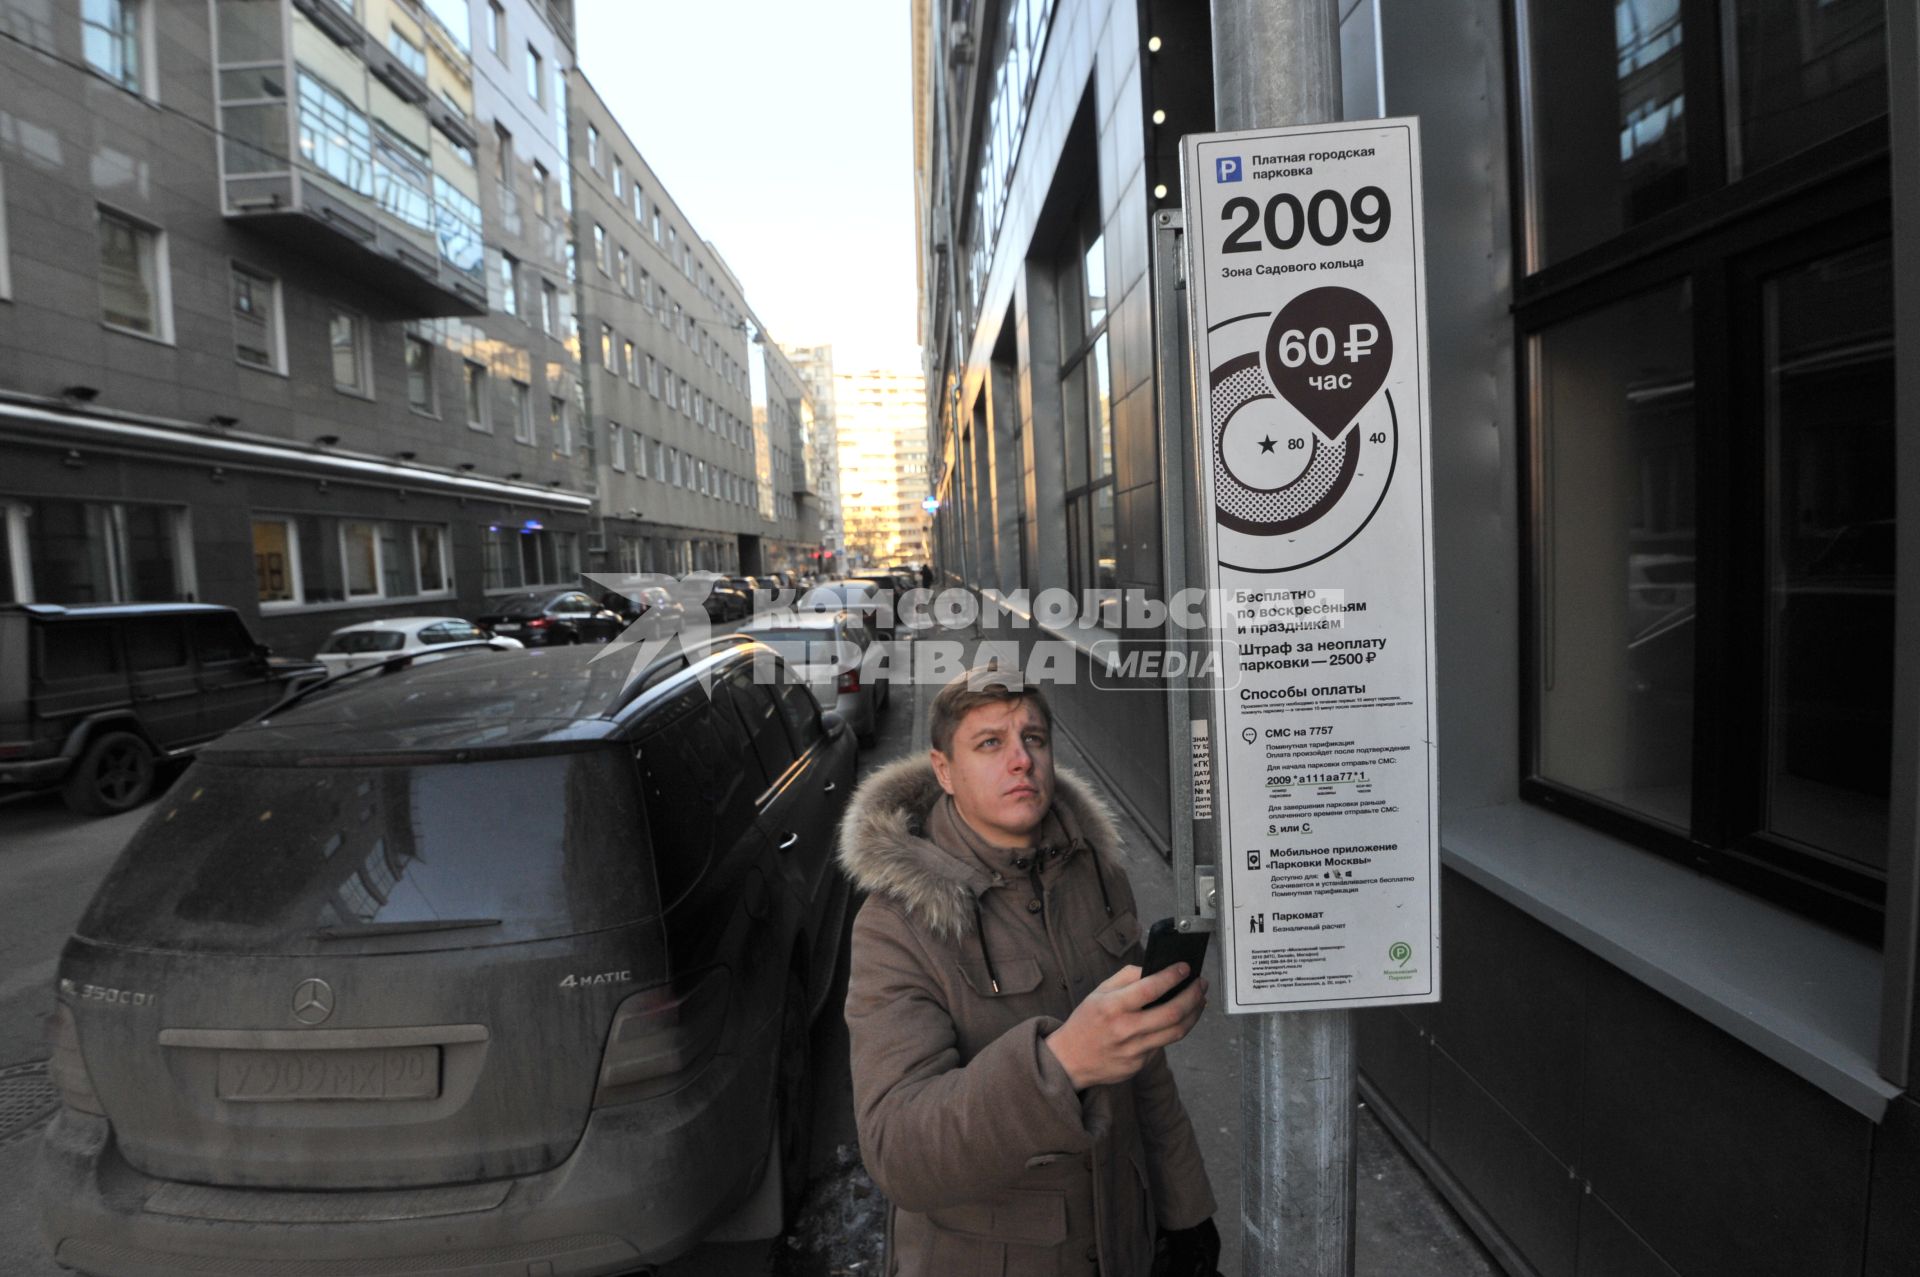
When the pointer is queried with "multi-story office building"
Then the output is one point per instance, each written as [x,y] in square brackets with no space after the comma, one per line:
[883,464]
[256,344]
[676,389]
[1672,265]
[814,365]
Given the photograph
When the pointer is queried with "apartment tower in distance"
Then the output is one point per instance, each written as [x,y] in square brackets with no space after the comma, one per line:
[883,464]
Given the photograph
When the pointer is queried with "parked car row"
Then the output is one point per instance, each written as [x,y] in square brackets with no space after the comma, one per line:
[508,958]
[95,698]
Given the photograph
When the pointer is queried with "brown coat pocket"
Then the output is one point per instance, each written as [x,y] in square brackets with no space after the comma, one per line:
[1015,975]
[1016,1216]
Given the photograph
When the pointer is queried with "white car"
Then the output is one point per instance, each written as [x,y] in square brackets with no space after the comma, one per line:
[836,657]
[371,642]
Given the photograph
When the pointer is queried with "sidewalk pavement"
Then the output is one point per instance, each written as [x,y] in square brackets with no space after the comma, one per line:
[1403,1228]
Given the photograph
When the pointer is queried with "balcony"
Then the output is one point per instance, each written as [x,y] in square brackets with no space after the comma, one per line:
[336,147]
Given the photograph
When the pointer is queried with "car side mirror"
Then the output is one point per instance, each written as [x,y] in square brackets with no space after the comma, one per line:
[261,651]
[835,724]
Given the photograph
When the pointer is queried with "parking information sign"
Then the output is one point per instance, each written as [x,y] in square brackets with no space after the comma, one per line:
[1305,265]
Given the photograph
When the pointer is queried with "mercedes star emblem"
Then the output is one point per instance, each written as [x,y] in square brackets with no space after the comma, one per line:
[313,1001]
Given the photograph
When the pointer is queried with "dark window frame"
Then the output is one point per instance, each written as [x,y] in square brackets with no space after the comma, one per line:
[1727,237]
[1078,340]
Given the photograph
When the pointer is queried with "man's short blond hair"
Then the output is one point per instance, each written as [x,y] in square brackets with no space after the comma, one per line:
[982,685]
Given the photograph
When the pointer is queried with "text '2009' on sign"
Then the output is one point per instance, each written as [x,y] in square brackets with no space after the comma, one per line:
[1327,216]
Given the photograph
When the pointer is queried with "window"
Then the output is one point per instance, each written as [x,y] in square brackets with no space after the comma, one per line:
[619,179]
[1709,432]
[67,551]
[410,55]
[503,150]
[430,558]
[457,227]
[639,454]
[600,248]
[646,290]
[616,446]
[631,364]
[549,308]
[760,717]
[593,148]
[307,559]
[256,320]
[360,558]
[522,412]
[1633,137]
[419,356]
[653,377]
[624,271]
[133,277]
[609,358]
[656,223]
[699,798]
[496,28]
[1086,410]
[540,180]
[561,425]
[536,74]
[476,387]
[111,39]
[509,285]
[515,556]
[334,135]
[802,715]
[347,339]
[275,561]
[639,206]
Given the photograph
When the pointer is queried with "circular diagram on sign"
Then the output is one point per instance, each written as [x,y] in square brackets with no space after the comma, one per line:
[1305,437]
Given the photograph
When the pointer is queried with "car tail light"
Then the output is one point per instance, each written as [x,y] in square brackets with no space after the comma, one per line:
[65,1067]
[849,681]
[539,623]
[659,1033]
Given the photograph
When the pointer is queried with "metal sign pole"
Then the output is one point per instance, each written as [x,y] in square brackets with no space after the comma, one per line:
[1189,729]
[1277,63]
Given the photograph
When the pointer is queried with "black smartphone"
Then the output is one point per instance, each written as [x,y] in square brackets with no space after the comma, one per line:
[1166,945]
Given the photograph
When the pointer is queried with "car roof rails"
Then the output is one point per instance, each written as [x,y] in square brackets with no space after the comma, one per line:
[387,666]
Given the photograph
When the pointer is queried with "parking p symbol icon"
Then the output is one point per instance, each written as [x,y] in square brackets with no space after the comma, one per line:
[1227,169]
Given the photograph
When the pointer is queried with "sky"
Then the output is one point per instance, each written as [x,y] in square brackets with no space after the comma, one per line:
[784,130]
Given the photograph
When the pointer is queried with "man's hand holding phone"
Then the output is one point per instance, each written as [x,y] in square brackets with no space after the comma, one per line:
[1114,1032]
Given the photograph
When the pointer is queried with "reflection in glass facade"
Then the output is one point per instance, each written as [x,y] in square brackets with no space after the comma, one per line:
[1830,454]
[1616,569]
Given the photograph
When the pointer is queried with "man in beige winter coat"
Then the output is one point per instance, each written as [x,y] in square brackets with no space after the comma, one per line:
[1012,1097]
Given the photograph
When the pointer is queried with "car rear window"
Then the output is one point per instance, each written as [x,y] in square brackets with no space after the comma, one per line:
[367,641]
[522,607]
[264,860]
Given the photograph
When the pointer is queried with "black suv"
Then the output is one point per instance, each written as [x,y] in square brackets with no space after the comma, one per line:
[502,963]
[92,697]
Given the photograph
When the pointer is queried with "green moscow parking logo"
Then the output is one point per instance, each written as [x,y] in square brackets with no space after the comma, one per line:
[1400,952]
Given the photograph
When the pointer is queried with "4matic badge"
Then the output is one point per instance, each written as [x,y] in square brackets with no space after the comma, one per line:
[1304,442]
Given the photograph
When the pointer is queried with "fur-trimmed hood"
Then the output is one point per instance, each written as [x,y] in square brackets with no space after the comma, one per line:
[884,849]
